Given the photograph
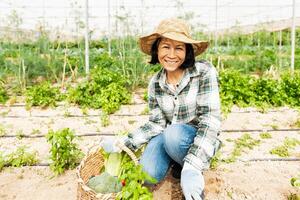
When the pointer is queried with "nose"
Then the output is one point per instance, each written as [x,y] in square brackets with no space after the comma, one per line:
[171,53]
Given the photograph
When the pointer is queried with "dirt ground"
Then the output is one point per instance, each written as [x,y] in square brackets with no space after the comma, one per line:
[243,179]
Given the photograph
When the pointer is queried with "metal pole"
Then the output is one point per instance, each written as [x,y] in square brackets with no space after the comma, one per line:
[87,65]
[142,16]
[216,24]
[293,39]
[108,37]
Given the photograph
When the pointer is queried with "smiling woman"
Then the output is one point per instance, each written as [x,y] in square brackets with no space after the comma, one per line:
[184,105]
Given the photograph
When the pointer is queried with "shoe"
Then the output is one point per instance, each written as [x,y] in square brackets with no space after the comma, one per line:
[176,170]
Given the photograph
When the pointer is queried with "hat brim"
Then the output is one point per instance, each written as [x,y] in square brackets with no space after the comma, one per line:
[146,42]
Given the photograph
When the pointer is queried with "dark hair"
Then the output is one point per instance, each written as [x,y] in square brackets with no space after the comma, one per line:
[189,55]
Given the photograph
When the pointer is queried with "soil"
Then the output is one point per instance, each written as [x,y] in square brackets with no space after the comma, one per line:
[243,179]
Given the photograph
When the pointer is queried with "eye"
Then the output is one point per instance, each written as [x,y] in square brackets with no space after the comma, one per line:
[165,47]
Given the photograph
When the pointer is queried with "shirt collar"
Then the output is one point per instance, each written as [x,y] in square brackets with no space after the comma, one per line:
[188,73]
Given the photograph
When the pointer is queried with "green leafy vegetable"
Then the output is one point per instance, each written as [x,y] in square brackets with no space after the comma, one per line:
[65,154]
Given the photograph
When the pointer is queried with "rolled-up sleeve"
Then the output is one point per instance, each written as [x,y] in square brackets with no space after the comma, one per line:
[155,125]
[208,114]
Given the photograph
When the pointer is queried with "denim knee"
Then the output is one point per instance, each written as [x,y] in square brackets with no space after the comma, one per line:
[177,140]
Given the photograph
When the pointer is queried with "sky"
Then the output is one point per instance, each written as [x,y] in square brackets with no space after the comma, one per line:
[121,17]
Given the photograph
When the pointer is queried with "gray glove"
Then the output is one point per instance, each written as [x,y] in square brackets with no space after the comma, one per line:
[110,145]
[192,182]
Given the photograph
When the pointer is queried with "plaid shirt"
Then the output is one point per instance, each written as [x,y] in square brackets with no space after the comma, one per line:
[195,102]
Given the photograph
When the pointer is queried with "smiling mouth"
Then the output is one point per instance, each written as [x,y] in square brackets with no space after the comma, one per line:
[171,62]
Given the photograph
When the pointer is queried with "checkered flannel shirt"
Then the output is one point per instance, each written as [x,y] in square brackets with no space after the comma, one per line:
[195,102]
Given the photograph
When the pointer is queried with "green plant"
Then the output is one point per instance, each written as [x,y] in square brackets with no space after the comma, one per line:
[245,141]
[2,130]
[20,134]
[35,131]
[215,160]
[146,111]
[133,178]
[3,95]
[2,161]
[105,90]
[42,95]
[265,135]
[283,150]
[295,181]
[21,157]
[293,197]
[65,154]
[104,119]
[296,123]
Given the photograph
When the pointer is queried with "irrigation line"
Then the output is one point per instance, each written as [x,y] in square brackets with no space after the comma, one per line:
[269,159]
[77,135]
[91,134]
[239,160]
[70,116]
[262,130]
[57,105]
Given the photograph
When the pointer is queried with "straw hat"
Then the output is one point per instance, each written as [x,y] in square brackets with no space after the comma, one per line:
[175,29]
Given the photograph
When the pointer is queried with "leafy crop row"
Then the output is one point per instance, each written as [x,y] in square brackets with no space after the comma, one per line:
[245,90]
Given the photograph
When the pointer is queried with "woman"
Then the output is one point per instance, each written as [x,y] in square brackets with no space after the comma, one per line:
[184,109]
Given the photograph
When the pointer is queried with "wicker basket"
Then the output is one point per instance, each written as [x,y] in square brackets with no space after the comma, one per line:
[91,166]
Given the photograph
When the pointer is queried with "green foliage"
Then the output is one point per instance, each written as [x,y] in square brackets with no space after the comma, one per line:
[245,141]
[265,135]
[291,87]
[2,130]
[2,161]
[3,95]
[65,154]
[20,157]
[268,91]
[113,96]
[295,181]
[105,90]
[283,150]
[133,178]
[104,120]
[43,95]
[293,197]
[215,160]
[234,89]
[244,90]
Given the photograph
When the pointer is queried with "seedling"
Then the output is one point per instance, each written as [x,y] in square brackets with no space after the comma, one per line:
[145,111]
[104,120]
[245,141]
[265,135]
[283,150]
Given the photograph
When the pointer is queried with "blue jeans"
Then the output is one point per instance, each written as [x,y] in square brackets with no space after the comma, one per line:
[172,144]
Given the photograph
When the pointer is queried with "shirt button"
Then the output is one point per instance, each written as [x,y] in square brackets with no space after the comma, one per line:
[175,98]
[175,114]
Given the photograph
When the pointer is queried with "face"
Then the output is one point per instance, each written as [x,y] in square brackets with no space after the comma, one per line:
[171,54]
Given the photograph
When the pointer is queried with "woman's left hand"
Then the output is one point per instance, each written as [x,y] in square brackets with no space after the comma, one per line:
[192,182]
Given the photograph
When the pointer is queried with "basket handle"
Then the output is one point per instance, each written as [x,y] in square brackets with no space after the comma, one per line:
[128,151]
